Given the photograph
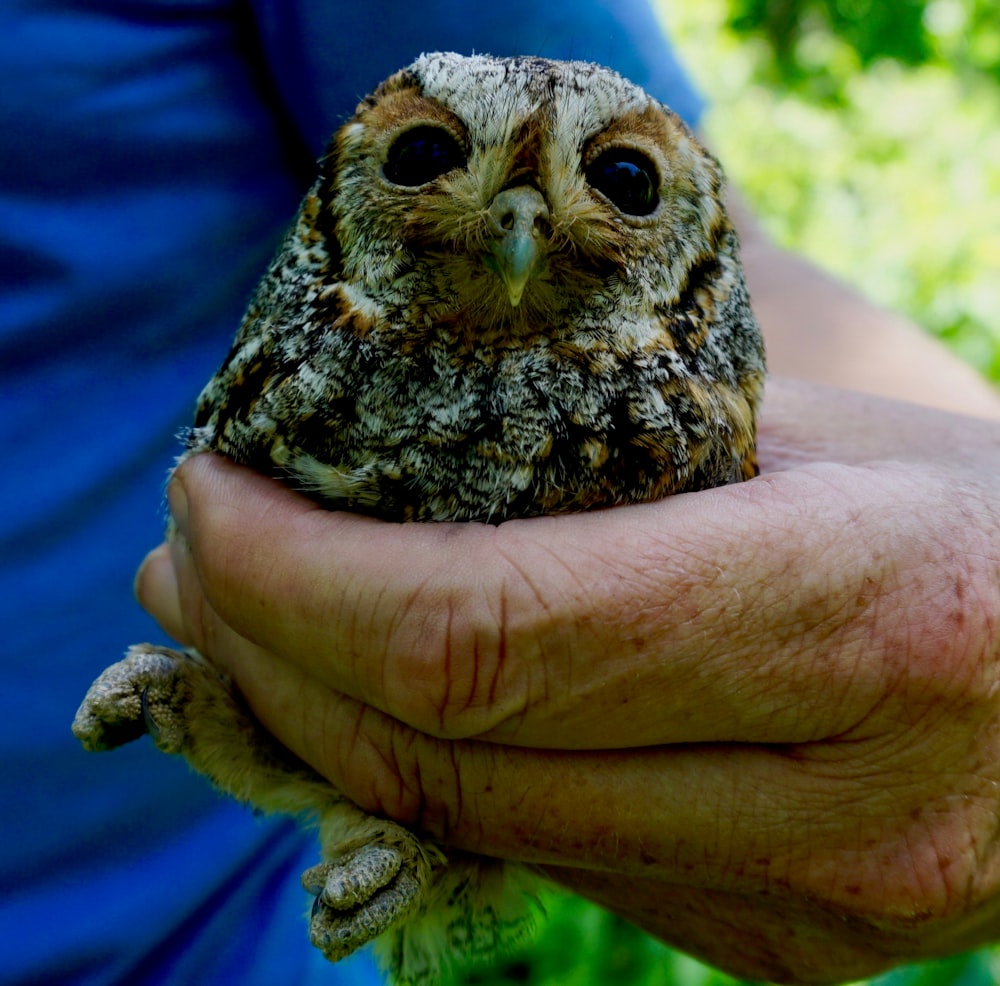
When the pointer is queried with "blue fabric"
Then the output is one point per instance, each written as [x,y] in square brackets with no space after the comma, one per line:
[152,152]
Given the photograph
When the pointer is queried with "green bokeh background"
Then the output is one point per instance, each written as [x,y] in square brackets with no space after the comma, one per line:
[866,135]
[884,170]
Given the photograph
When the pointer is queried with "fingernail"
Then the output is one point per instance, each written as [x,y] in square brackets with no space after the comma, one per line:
[177,499]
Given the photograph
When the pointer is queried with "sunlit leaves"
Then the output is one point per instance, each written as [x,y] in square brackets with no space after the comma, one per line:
[963,33]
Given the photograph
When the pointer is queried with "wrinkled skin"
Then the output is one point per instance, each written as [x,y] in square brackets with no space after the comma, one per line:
[759,721]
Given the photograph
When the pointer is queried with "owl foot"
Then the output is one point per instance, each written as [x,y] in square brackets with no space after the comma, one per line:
[146,692]
[363,893]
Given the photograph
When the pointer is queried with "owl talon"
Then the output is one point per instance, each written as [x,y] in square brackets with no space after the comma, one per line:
[353,878]
[359,896]
[144,693]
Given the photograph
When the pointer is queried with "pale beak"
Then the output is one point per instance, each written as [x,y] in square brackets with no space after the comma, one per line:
[521,238]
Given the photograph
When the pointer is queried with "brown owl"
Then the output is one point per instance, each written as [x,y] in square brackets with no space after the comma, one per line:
[512,290]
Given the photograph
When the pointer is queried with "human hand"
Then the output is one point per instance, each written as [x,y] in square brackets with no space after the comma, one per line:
[760,721]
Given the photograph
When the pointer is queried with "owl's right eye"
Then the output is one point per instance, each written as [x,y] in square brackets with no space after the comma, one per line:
[422,154]
[627,178]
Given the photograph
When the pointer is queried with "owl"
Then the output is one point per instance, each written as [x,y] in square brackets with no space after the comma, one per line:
[512,290]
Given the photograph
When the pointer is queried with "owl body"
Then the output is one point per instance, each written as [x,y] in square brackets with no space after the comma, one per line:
[383,367]
[512,290]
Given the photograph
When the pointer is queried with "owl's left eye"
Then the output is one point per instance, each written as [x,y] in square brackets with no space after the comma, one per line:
[420,155]
[629,179]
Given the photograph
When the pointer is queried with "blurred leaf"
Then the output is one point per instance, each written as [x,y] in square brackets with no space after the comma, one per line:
[894,184]
[801,35]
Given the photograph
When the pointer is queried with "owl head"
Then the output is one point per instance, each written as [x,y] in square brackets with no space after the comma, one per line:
[512,191]
[513,289]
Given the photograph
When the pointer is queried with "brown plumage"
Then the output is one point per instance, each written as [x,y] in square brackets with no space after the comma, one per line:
[513,290]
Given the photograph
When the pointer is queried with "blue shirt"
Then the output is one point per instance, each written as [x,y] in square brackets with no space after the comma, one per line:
[152,152]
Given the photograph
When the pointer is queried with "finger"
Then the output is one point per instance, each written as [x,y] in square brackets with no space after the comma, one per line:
[698,618]
[156,587]
[456,629]
[757,613]
[821,825]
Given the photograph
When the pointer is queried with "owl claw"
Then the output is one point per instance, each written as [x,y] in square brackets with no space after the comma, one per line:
[145,692]
[360,895]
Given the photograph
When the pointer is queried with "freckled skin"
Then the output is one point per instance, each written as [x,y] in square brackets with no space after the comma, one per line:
[503,340]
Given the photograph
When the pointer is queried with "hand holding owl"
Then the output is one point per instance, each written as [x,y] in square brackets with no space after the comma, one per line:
[824,637]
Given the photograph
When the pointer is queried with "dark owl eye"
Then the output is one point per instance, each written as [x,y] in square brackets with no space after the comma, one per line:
[422,154]
[628,178]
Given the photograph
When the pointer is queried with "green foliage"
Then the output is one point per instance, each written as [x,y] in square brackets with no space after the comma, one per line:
[962,34]
[884,174]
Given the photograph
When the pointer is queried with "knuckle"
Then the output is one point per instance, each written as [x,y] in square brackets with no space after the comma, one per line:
[391,770]
[397,790]
[942,641]
[373,763]
[453,671]
[910,878]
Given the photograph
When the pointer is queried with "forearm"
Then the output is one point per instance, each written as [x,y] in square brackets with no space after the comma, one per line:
[819,329]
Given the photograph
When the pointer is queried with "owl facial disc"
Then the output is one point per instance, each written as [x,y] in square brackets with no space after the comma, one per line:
[521,238]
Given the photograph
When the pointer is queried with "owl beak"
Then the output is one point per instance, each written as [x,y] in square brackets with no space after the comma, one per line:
[521,238]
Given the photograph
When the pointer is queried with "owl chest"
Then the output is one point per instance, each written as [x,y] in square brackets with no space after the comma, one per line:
[480,436]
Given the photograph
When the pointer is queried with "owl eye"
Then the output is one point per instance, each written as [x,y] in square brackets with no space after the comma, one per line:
[629,179]
[420,155]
